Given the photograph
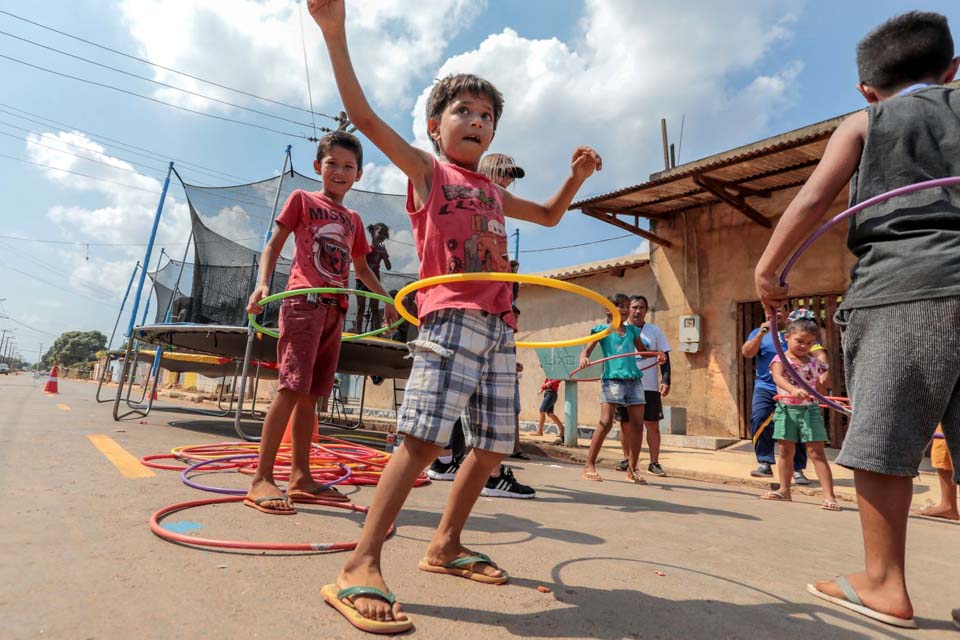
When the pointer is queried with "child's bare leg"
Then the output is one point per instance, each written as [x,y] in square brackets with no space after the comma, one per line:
[884,503]
[301,436]
[625,432]
[820,465]
[362,568]
[785,453]
[471,477]
[603,428]
[558,422]
[635,439]
[263,484]
[361,308]
[948,498]
[543,418]
[375,314]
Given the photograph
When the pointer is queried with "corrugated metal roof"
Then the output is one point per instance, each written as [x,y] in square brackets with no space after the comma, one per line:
[776,163]
[598,266]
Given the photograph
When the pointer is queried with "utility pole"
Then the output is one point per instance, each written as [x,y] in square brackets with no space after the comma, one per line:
[3,337]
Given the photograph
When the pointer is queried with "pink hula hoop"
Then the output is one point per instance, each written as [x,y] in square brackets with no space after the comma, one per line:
[636,354]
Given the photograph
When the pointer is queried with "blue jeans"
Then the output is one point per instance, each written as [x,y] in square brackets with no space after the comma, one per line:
[762,418]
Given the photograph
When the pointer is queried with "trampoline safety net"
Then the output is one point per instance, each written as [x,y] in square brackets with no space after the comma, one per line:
[229,228]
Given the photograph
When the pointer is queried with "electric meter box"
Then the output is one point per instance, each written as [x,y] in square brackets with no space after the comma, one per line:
[689,334]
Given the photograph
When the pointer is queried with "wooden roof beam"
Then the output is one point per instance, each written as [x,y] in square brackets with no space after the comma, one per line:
[734,195]
[611,218]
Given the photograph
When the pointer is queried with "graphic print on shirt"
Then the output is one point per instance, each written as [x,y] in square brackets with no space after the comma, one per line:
[331,256]
[486,248]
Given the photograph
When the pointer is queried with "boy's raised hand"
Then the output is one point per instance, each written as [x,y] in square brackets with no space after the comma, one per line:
[584,162]
[328,14]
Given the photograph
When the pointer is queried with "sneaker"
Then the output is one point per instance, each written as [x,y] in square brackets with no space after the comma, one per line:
[762,470]
[623,465]
[443,470]
[506,486]
[519,455]
[656,469]
[799,478]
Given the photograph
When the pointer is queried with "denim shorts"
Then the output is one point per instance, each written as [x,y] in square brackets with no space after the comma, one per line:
[625,392]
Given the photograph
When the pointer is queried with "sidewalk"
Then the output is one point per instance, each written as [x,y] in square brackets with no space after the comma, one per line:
[726,466]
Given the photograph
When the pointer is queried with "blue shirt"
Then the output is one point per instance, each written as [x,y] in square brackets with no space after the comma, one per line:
[762,362]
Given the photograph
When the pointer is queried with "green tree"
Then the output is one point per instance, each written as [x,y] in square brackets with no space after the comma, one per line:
[75,346]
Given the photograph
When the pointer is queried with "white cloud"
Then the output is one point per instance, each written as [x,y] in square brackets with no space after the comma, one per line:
[256,46]
[631,64]
[383,179]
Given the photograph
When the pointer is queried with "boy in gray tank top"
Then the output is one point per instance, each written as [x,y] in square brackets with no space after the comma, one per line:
[901,313]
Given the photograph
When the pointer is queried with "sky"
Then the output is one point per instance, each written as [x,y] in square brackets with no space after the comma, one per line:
[82,163]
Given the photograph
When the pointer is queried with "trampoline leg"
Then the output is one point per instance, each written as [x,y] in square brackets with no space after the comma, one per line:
[123,374]
[103,376]
[243,384]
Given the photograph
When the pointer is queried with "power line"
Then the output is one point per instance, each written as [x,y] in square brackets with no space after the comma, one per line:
[26,326]
[156,82]
[153,154]
[56,286]
[77,173]
[95,288]
[160,66]
[122,244]
[156,100]
[581,244]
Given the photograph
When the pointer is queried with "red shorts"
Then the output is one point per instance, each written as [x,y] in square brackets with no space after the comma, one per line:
[309,345]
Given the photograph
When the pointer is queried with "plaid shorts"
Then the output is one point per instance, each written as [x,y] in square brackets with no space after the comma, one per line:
[463,360]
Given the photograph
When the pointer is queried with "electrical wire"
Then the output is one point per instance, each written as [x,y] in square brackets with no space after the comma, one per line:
[156,100]
[77,173]
[157,82]
[160,66]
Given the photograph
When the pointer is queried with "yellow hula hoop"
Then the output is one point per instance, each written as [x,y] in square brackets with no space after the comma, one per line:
[525,279]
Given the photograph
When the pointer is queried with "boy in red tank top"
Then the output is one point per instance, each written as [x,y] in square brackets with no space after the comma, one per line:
[464,356]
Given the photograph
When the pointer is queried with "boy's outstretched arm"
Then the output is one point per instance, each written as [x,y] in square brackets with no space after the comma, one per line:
[268,261]
[585,161]
[840,160]
[417,164]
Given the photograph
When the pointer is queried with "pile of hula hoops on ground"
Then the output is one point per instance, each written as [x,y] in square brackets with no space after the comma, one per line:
[333,461]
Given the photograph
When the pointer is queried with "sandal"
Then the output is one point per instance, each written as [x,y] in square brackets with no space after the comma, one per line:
[776,497]
[591,475]
[830,505]
[636,478]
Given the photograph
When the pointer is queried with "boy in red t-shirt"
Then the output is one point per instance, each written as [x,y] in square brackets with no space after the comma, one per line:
[327,236]
[464,356]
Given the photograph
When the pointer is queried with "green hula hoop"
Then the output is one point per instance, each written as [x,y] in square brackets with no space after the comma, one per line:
[347,337]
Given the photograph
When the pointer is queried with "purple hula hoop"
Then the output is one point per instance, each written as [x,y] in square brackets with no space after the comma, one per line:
[840,217]
[242,492]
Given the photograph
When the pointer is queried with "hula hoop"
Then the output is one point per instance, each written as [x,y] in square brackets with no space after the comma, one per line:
[259,546]
[147,461]
[838,399]
[636,354]
[241,492]
[299,292]
[840,217]
[515,277]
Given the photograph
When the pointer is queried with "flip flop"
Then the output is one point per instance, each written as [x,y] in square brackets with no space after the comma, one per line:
[830,505]
[330,494]
[853,603]
[636,478]
[776,497]
[593,475]
[334,596]
[460,567]
[258,505]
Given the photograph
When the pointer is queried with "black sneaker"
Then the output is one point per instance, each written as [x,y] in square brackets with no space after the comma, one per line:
[519,455]
[623,465]
[656,469]
[443,470]
[506,486]
[762,470]
[799,478]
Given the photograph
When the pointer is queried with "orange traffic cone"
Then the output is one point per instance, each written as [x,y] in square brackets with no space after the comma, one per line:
[51,386]
[287,434]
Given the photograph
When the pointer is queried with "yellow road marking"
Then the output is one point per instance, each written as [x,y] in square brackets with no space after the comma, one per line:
[63,407]
[128,465]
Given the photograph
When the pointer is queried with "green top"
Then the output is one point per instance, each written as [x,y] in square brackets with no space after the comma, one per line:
[613,344]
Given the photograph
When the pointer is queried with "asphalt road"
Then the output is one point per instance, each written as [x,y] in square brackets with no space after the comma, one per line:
[676,559]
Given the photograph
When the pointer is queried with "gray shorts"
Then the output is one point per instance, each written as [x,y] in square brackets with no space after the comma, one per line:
[903,379]
[463,360]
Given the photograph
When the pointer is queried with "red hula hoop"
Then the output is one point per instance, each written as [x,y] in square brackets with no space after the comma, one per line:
[240,544]
[636,354]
